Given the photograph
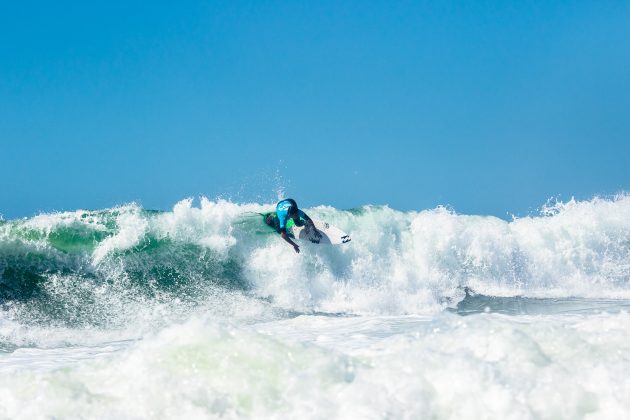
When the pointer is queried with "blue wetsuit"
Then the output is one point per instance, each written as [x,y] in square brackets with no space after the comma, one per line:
[282,215]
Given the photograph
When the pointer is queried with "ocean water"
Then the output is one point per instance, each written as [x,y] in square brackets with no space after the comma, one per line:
[201,312]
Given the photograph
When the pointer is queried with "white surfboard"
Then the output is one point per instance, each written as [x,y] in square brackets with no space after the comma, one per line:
[330,235]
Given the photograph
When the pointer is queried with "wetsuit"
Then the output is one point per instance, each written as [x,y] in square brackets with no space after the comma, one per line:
[280,220]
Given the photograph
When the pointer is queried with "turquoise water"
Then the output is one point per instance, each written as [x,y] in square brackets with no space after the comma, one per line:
[199,312]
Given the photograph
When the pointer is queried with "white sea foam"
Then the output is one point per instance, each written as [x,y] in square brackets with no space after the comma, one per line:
[409,262]
[446,366]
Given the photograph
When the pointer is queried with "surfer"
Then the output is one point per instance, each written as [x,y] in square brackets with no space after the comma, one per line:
[286,210]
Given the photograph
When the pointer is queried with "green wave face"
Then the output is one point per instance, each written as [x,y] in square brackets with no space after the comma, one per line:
[81,268]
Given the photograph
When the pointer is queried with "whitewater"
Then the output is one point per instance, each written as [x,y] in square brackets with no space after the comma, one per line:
[203,312]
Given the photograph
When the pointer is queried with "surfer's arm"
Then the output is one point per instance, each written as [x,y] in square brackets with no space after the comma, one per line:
[288,239]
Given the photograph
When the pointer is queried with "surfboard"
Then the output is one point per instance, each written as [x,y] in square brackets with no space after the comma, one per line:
[330,235]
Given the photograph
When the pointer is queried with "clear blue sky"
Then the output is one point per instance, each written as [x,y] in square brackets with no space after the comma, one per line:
[489,107]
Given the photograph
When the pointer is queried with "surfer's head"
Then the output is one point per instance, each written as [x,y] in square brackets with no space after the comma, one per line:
[293,211]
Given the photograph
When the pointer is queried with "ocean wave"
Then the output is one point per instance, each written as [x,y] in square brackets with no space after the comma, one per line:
[89,267]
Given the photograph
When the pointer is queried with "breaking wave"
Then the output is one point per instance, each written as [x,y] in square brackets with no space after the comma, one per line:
[109,266]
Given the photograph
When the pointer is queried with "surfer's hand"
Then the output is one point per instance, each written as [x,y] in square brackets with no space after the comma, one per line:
[318,234]
[297,248]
